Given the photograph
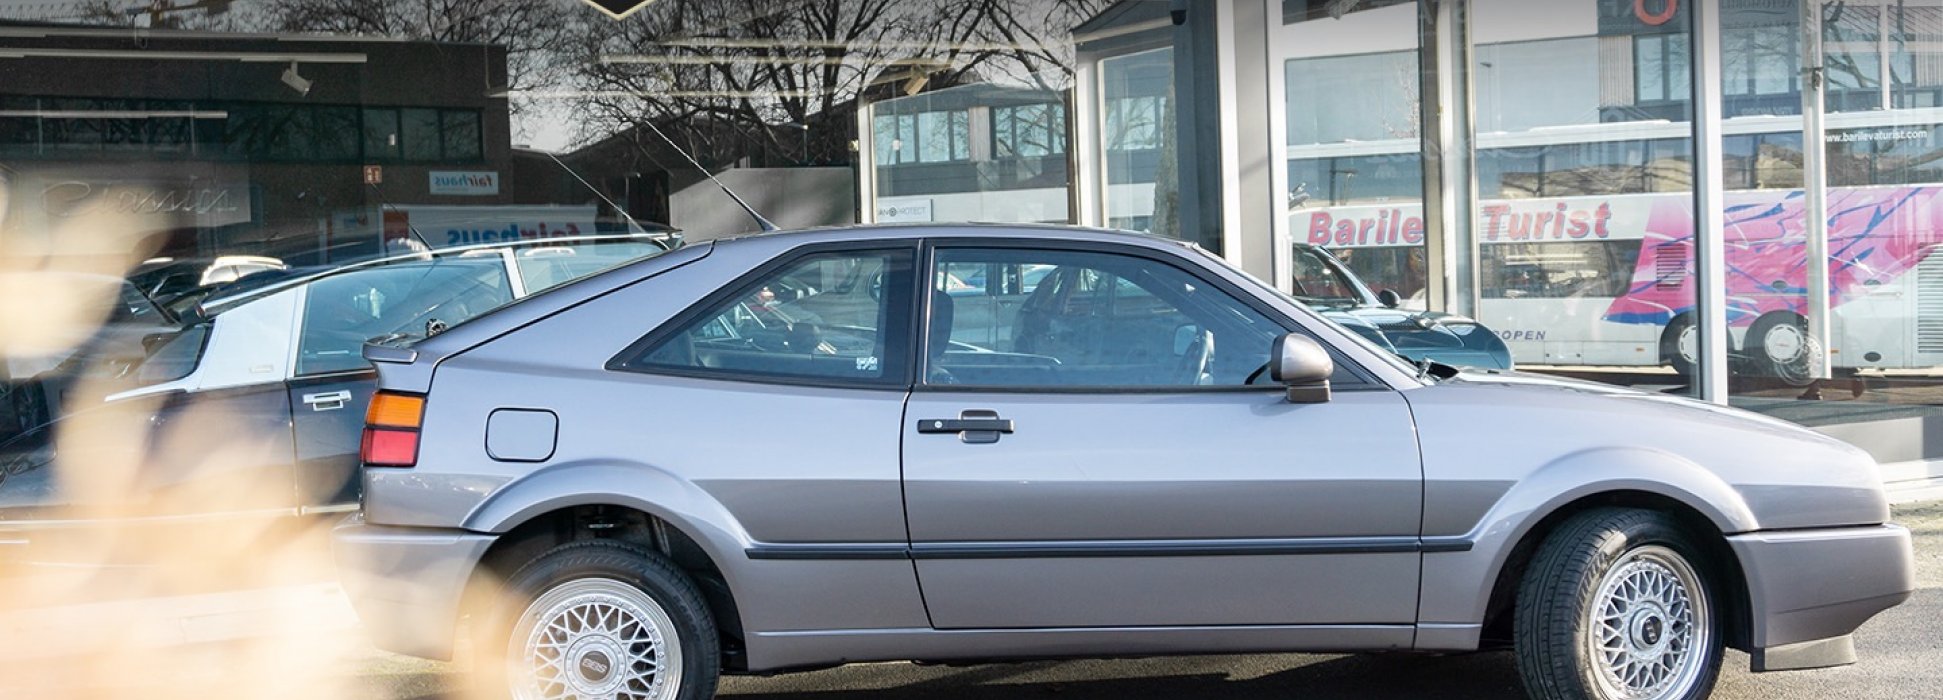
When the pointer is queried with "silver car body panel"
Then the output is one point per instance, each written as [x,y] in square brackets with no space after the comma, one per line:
[1034,521]
[1312,523]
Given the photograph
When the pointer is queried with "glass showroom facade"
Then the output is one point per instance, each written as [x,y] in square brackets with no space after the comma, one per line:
[1535,165]
[1564,146]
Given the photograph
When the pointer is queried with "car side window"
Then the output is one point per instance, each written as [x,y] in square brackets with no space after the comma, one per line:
[1050,318]
[838,317]
[420,299]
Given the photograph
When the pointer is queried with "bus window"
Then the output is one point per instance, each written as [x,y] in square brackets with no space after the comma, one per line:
[1562,270]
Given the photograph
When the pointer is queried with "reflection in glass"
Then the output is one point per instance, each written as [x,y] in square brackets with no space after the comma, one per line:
[1585,177]
[1884,193]
[1355,163]
[981,152]
[1142,187]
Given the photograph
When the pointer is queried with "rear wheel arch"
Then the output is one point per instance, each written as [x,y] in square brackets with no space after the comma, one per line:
[548,512]
[525,540]
[1720,565]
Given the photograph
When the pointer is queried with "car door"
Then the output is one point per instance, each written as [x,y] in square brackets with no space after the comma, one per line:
[1098,458]
[332,383]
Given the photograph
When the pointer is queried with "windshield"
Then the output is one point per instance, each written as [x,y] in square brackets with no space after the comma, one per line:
[548,266]
[1389,355]
[1319,280]
[136,307]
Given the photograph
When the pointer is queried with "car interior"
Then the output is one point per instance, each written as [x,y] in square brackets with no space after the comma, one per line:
[1089,320]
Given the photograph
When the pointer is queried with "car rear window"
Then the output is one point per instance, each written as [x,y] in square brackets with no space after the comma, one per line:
[174,357]
[419,299]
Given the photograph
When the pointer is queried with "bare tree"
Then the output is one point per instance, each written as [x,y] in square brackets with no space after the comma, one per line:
[532,31]
[759,78]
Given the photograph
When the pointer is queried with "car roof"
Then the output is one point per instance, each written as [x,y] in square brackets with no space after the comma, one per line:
[224,302]
[902,231]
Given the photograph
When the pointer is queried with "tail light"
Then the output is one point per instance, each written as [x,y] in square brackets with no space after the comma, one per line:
[391,428]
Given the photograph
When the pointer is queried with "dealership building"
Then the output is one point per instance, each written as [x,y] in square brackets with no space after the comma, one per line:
[313,149]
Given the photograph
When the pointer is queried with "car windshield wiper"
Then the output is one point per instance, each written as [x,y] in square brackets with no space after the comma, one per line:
[1432,371]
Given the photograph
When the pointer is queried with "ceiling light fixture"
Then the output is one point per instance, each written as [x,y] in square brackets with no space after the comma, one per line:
[296,82]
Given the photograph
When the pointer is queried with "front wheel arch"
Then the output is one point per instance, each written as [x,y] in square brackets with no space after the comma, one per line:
[1722,564]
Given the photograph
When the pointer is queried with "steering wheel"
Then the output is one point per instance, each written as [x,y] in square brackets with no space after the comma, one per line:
[1198,359]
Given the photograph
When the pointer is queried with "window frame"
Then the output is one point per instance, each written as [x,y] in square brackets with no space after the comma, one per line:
[899,348]
[927,267]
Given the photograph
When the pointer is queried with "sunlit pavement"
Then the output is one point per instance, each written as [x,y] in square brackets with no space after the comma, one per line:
[1902,657]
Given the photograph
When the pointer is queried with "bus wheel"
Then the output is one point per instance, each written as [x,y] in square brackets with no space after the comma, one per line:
[1680,345]
[1782,349]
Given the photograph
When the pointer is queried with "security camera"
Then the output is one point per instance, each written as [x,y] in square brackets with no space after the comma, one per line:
[296,82]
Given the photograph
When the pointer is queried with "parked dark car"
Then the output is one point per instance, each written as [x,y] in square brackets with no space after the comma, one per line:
[37,387]
[1327,285]
[166,279]
[272,382]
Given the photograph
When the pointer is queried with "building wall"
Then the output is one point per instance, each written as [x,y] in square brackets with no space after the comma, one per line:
[298,159]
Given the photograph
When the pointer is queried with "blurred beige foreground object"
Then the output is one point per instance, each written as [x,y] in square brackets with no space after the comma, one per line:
[145,601]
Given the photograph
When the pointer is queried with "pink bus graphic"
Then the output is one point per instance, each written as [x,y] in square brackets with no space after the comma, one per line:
[1875,235]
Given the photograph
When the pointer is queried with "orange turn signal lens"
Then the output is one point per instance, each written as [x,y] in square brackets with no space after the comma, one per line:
[395,410]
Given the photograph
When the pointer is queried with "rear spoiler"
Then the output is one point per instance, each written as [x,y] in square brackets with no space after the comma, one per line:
[390,354]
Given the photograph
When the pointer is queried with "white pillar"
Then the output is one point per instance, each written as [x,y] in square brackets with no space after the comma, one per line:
[866,165]
[1710,242]
[1814,168]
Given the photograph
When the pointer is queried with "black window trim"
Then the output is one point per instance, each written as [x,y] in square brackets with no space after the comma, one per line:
[900,381]
[1367,381]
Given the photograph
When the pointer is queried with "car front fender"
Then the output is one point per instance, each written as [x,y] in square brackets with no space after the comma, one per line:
[1460,571]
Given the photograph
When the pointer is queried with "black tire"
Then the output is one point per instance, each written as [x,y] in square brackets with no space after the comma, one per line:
[1794,370]
[1670,345]
[1553,627]
[600,563]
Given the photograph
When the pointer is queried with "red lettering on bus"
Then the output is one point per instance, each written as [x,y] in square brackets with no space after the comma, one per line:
[1413,230]
[1319,224]
[1579,225]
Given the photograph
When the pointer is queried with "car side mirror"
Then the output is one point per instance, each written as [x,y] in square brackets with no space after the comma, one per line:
[1389,298]
[1301,364]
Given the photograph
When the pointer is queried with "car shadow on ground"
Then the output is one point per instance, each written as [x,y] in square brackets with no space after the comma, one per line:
[1487,676]
[1464,677]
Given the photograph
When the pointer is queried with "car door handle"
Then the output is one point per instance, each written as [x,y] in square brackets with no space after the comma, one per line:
[975,427]
[327,401]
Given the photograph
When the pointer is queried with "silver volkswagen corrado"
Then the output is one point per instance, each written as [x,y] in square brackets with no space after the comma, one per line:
[952,443]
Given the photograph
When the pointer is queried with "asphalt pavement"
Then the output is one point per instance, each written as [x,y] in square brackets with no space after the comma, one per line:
[1901,657]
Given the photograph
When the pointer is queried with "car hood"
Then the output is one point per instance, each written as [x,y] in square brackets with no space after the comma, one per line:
[1426,335]
[1789,476]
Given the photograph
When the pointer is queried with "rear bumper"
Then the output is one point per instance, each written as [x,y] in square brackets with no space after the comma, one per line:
[406,583]
[1808,590]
